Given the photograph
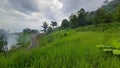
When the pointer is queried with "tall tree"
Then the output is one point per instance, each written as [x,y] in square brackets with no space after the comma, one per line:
[81,17]
[65,23]
[45,25]
[100,16]
[117,13]
[73,21]
[53,23]
[108,18]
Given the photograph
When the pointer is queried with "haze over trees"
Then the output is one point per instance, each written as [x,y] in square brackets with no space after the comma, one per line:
[2,36]
[108,13]
[30,31]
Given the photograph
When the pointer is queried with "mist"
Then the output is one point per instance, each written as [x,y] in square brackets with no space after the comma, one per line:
[12,40]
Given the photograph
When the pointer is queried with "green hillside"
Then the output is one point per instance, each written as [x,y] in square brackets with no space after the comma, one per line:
[68,48]
[84,40]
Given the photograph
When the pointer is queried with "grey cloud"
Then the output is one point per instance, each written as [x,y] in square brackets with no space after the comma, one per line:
[25,6]
[75,5]
[17,14]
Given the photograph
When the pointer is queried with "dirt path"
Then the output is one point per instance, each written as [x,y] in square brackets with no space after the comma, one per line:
[34,42]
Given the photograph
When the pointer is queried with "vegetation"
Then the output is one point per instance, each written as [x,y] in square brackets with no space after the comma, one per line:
[24,40]
[29,31]
[25,37]
[101,16]
[49,30]
[53,23]
[65,23]
[2,39]
[45,26]
[85,40]
[68,49]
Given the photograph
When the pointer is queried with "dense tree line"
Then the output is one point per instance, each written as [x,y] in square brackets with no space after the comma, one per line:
[48,29]
[108,13]
[30,31]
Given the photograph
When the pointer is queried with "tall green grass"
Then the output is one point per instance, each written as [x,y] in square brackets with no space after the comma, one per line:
[73,48]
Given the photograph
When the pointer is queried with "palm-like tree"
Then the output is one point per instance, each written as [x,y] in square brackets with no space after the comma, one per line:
[45,25]
[53,23]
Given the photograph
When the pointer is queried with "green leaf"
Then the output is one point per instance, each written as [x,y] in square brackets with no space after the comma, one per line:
[116,52]
[107,50]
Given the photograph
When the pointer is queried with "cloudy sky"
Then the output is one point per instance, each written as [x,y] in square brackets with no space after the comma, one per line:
[15,15]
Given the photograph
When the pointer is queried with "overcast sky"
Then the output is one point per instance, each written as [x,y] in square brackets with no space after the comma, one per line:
[15,15]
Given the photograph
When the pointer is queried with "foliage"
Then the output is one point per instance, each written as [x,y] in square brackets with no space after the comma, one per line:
[65,23]
[53,23]
[81,20]
[73,21]
[29,31]
[116,52]
[106,2]
[24,39]
[116,13]
[111,5]
[49,30]
[108,13]
[2,38]
[45,26]
[74,48]
[108,18]
[100,16]
[77,49]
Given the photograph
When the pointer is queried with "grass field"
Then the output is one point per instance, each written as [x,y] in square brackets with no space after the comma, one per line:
[68,48]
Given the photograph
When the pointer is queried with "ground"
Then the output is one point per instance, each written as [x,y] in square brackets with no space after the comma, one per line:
[68,48]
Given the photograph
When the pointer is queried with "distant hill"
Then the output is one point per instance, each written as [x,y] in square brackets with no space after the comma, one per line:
[112,5]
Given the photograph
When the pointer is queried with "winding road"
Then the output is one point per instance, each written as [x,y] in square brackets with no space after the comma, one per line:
[34,42]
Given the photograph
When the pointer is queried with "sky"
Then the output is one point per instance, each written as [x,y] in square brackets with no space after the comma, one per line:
[15,15]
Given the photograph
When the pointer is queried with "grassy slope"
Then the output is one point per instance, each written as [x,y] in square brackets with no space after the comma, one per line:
[76,50]
[25,39]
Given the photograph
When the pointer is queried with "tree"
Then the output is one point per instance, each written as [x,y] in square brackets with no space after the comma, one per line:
[81,17]
[27,30]
[3,39]
[89,18]
[65,23]
[34,31]
[99,16]
[108,18]
[117,13]
[73,21]
[49,30]
[53,23]
[45,25]
[106,2]
[30,31]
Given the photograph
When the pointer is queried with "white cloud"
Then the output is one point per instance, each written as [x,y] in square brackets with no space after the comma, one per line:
[58,4]
[16,15]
